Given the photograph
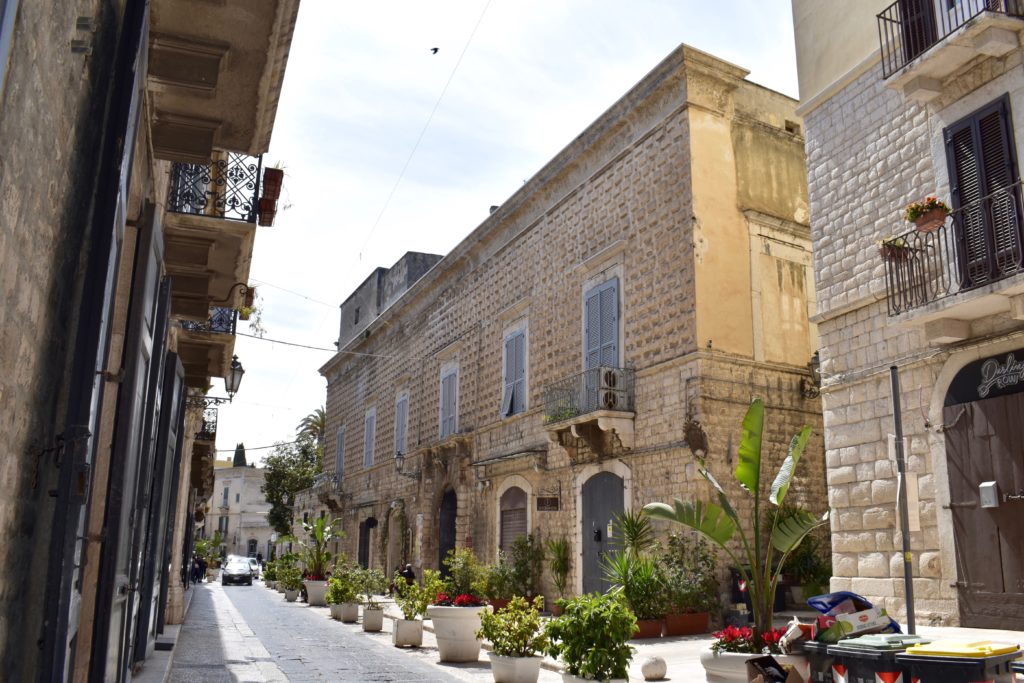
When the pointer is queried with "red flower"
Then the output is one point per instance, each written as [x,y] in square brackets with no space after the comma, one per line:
[442,599]
[466,600]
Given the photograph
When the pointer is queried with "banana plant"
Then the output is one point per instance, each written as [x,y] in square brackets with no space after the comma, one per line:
[316,556]
[742,540]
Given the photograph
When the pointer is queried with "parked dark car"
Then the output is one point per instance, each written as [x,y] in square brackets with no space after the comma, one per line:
[236,570]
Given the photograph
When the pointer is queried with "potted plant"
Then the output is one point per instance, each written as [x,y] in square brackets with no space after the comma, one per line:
[592,637]
[691,581]
[927,215]
[527,559]
[643,587]
[372,585]
[893,248]
[413,599]
[500,582]
[456,610]
[290,579]
[342,595]
[317,557]
[270,574]
[559,564]
[807,569]
[721,524]
[516,639]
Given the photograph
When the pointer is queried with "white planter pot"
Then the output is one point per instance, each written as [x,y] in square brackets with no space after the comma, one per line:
[278,587]
[315,592]
[515,669]
[569,678]
[731,667]
[455,629]
[407,633]
[335,611]
[348,612]
[270,584]
[373,619]
[291,596]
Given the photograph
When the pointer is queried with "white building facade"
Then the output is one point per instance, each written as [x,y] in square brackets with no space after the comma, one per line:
[238,509]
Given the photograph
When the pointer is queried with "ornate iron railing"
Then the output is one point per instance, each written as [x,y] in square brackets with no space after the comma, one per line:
[226,187]
[221,321]
[602,388]
[208,429]
[907,28]
[978,244]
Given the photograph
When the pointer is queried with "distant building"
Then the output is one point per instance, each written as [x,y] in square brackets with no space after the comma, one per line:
[538,377]
[238,509]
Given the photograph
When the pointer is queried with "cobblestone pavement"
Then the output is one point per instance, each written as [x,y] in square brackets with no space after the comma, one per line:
[248,633]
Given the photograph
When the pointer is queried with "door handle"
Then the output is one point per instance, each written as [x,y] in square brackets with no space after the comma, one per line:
[597,535]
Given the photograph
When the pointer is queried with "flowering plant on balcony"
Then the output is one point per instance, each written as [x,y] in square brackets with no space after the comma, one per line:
[893,247]
[917,209]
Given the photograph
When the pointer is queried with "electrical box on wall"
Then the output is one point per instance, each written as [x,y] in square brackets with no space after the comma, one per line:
[988,492]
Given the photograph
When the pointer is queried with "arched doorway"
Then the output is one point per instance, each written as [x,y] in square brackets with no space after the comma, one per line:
[984,441]
[513,524]
[446,528]
[602,499]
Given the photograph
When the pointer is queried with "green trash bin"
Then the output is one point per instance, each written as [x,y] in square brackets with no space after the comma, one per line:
[819,660]
[952,661]
[871,658]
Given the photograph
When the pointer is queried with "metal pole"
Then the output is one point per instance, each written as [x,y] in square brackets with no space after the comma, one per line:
[901,496]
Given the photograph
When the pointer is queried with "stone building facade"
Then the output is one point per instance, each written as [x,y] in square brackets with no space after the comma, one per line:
[538,377]
[238,509]
[117,306]
[902,101]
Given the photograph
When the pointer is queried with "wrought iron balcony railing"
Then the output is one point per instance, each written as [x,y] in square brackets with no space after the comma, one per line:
[601,388]
[226,187]
[909,27]
[221,321]
[325,479]
[208,429]
[978,244]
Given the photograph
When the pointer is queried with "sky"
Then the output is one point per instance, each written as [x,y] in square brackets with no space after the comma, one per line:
[389,147]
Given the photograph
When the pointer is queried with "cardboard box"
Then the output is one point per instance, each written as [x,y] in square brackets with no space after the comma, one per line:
[768,670]
[846,625]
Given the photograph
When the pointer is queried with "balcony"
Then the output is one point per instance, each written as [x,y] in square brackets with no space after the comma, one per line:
[221,321]
[595,405]
[327,490]
[969,268]
[926,41]
[226,187]
[206,346]
[208,428]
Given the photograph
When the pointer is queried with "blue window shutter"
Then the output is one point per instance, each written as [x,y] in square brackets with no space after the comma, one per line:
[602,325]
[593,329]
[519,392]
[339,455]
[507,403]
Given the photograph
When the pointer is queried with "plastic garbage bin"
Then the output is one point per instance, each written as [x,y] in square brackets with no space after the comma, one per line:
[951,661]
[819,661]
[871,658]
[1018,669]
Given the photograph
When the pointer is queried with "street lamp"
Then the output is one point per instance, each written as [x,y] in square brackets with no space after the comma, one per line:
[234,378]
[811,388]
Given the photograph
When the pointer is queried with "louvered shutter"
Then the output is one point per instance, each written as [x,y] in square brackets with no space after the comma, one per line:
[369,429]
[507,398]
[513,517]
[602,325]
[339,455]
[449,387]
[519,373]
[401,420]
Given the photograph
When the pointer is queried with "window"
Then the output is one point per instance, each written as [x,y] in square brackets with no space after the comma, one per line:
[8,11]
[369,432]
[513,517]
[449,402]
[401,422]
[339,455]
[983,184]
[513,399]
[222,526]
[355,316]
[601,329]
[238,497]
[224,501]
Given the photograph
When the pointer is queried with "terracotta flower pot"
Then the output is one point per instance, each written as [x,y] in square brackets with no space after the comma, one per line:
[272,179]
[894,252]
[932,220]
[648,628]
[686,624]
[267,211]
[499,603]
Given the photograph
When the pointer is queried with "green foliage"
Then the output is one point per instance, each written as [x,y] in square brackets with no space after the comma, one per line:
[315,554]
[527,559]
[691,574]
[290,578]
[592,634]
[209,549]
[270,573]
[720,522]
[413,598]
[559,563]
[371,585]
[466,576]
[314,426]
[290,468]
[500,579]
[641,581]
[810,563]
[239,459]
[635,531]
[343,585]
[515,631]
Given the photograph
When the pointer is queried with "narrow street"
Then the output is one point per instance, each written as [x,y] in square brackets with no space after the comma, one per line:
[248,633]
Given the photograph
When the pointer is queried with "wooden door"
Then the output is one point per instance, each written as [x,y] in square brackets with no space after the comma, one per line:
[446,528]
[985,442]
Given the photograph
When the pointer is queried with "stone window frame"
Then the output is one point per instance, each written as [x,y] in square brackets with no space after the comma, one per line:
[512,481]
[448,369]
[402,396]
[606,265]
[369,435]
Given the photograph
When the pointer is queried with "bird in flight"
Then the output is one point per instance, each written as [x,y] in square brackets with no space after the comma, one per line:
[434,50]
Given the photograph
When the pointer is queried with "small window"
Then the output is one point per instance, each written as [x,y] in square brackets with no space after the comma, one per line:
[238,497]
[401,423]
[369,433]
[513,398]
[449,402]
[355,317]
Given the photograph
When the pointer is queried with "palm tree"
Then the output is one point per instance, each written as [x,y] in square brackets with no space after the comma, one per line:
[314,426]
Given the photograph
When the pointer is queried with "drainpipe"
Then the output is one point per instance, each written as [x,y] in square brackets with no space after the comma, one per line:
[901,468]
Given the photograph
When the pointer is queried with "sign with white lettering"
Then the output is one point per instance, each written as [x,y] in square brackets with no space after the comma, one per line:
[988,378]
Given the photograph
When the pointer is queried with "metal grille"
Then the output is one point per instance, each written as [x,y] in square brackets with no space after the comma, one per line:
[221,321]
[600,388]
[908,28]
[226,187]
[980,243]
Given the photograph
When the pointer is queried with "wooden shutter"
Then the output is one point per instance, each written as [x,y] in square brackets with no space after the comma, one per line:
[401,421]
[918,27]
[339,455]
[602,325]
[369,429]
[512,505]
[514,397]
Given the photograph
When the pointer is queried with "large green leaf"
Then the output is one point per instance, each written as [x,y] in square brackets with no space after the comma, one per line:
[792,529]
[748,468]
[723,500]
[796,448]
[706,518]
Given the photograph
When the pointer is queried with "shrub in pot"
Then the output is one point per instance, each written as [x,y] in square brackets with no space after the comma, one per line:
[500,582]
[517,640]
[643,587]
[372,584]
[270,574]
[559,564]
[527,559]
[413,599]
[290,579]
[808,568]
[592,636]
[342,595]
[690,569]
[456,610]
[317,558]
